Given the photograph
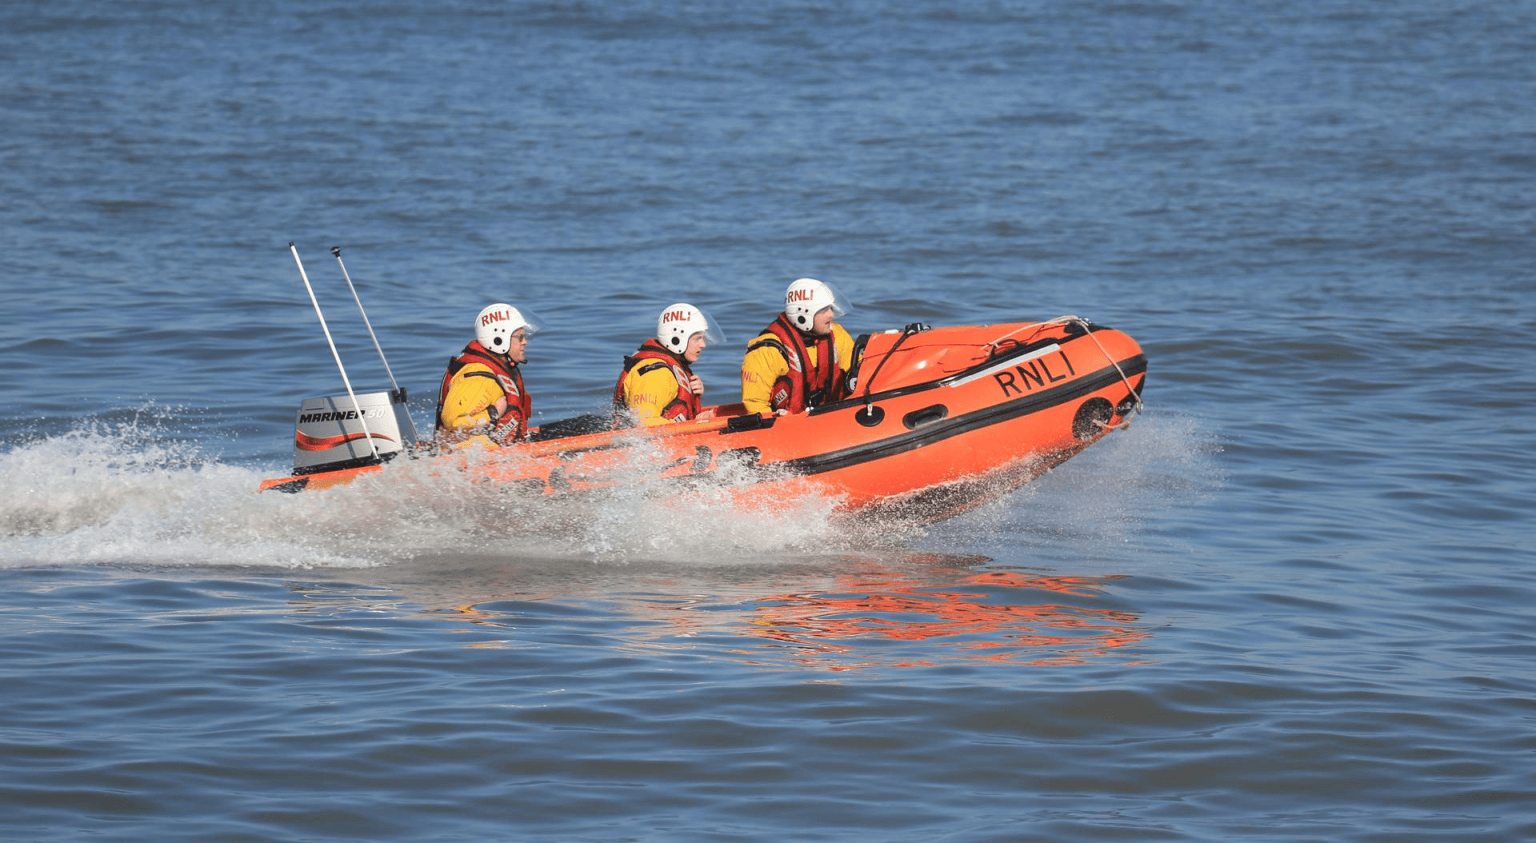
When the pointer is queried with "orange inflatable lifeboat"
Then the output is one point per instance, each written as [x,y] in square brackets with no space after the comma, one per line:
[939,420]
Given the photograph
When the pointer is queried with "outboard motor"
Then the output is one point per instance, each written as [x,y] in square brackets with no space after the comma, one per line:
[331,434]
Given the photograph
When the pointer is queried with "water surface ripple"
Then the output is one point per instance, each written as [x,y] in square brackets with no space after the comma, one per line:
[1291,602]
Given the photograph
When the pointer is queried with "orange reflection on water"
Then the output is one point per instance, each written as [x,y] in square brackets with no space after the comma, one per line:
[985,616]
[906,610]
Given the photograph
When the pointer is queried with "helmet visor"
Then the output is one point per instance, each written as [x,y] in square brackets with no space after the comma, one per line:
[840,305]
[532,322]
[710,329]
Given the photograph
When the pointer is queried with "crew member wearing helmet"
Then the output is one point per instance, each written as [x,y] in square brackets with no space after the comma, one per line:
[482,395]
[802,358]
[657,385]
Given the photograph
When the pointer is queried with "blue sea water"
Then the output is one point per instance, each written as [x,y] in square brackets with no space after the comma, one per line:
[1292,602]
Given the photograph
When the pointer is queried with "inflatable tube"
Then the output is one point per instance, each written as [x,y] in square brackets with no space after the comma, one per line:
[939,421]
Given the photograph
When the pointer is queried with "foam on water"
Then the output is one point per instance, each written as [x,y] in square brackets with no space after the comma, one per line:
[128,494]
[131,493]
[1101,501]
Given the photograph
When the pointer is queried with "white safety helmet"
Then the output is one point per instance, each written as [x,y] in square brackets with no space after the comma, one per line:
[682,320]
[496,324]
[807,297]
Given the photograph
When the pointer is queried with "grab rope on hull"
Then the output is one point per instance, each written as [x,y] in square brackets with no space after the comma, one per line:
[1087,327]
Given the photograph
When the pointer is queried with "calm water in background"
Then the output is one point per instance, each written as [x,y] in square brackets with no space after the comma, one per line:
[1293,601]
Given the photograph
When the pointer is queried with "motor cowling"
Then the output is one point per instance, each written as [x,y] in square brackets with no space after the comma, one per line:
[331,432]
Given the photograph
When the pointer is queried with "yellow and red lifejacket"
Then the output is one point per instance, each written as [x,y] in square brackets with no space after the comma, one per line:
[802,386]
[504,372]
[654,355]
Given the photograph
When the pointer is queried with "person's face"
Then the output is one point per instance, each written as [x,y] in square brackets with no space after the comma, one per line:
[821,323]
[517,348]
[696,346]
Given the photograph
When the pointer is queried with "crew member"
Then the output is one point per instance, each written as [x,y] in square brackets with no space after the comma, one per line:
[657,385]
[482,397]
[802,358]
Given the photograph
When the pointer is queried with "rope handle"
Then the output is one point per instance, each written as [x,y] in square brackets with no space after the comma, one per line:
[1088,332]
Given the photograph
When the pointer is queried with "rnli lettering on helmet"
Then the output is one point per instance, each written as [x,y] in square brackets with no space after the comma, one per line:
[674,316]
[1032,374]
[800,295]
[495,316]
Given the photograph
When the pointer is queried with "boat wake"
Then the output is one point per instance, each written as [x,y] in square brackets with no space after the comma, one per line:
[1132,488]
[134,494]
[125,495]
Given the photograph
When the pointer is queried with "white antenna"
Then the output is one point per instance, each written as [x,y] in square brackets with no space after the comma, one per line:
[398,395]
[355,406]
